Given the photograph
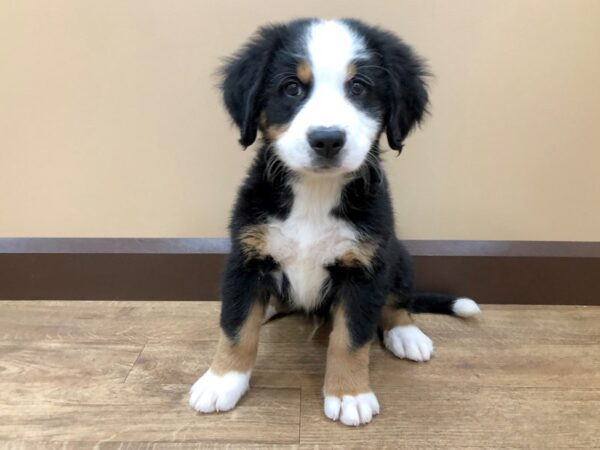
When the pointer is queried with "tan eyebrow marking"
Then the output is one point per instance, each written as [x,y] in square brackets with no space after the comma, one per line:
[350,71]
[304,72]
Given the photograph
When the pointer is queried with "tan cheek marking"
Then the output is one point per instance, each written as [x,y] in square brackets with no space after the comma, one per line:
[262,120]
[240,355]
[393,316]
[361,255]
[254,241]
[272,132]
[347,370]
[275,131]
[350,71]
[304,72]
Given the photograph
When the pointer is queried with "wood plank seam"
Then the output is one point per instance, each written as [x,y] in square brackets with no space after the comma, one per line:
[135,362]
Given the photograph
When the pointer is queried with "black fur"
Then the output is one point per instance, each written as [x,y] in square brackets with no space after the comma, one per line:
[433,303]
[251,87]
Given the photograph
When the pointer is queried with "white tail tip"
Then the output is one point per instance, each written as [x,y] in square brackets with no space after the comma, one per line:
[465,307]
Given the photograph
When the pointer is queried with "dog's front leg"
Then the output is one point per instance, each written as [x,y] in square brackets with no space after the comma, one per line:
[242,314]
[348,395]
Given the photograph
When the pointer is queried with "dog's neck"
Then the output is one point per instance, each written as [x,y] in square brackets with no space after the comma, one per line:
[315,195]
[318,194]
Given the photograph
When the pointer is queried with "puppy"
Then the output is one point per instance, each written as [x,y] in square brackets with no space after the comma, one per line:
[313,228]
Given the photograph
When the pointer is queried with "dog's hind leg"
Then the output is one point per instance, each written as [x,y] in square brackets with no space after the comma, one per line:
[401,336]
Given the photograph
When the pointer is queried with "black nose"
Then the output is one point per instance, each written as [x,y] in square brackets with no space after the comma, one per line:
[326,141]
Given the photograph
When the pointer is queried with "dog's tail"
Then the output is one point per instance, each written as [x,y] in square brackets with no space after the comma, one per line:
[444,304]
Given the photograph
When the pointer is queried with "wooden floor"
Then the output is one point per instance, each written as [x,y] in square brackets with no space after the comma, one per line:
[77,374]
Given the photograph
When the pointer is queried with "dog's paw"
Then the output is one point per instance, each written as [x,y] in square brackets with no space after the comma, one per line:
[218,392]
[408,342]
[352,410]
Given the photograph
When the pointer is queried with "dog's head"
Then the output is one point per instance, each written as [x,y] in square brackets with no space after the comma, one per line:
[322,92]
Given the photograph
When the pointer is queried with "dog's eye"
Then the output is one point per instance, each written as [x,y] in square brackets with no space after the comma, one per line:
[357,88]
[293,89]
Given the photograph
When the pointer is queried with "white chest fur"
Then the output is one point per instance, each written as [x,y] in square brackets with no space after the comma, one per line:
[310,238]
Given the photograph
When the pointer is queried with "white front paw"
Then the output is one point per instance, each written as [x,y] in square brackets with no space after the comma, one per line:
[408,342]
[352,410]
[218,392]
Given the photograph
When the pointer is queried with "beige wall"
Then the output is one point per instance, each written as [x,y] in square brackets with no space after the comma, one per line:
[110,124]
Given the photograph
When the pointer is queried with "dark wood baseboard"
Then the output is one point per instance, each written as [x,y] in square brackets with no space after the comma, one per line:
[519,272]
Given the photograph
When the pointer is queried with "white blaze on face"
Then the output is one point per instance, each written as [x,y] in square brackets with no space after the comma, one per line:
[332,47]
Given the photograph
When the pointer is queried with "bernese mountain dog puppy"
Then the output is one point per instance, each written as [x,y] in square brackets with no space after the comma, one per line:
[313,227]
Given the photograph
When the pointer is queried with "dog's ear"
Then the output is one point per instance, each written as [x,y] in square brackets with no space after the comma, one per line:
[407,98]
[244,75]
